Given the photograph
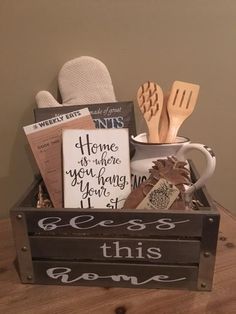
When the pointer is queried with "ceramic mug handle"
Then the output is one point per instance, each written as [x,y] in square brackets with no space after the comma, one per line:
[210,163]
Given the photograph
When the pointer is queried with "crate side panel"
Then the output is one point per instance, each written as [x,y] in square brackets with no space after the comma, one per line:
[115,275]
[24,258]
[106,249]
[108,223]
[208,251]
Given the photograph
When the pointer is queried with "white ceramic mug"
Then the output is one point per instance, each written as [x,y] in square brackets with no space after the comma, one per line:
[146,153]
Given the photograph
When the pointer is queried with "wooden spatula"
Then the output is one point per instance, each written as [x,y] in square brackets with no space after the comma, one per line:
[181,103]
[150,100]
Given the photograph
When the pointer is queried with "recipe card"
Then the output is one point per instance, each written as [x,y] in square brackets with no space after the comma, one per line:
[45,139]
[96,168]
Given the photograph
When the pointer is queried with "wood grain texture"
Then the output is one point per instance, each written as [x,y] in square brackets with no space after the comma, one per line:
[133,250]
[181,103]
[150,101]
[18,298]
[122,224]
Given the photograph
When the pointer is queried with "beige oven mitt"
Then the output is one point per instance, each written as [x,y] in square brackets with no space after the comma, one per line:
[84,80]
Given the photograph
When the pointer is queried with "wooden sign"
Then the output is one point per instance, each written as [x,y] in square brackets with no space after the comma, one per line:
[96,168]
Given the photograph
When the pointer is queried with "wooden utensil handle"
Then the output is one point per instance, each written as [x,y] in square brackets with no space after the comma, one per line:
[172,133]
[164,121]
[153,137]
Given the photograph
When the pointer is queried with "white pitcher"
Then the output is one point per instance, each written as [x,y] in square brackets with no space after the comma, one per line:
[146,153]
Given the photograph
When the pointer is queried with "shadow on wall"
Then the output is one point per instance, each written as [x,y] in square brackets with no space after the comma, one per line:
[22,165]
[21,168]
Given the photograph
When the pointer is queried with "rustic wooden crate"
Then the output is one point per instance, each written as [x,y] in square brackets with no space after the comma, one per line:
[98,247]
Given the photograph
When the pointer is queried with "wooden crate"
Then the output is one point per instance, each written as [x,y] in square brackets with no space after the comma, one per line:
[124,248]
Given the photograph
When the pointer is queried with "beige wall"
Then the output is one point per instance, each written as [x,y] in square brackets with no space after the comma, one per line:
[137,40]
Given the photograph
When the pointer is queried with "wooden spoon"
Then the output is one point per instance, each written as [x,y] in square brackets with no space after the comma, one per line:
[164,120]
[150,100]
[181,103]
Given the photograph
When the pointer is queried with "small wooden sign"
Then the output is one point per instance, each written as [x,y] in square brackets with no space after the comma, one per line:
[96,168]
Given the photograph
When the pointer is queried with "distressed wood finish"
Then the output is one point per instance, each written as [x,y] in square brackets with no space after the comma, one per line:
[41,299]
[103,237]
[115,275]
[113,223]
[116,249]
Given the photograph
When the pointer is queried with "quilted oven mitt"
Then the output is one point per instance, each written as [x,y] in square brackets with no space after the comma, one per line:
[84,80]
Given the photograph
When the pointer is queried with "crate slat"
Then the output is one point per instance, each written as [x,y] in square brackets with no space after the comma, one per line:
[115,275]
[113,223]
[130,250]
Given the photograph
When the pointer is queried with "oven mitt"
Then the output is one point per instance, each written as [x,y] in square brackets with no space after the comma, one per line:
[84,80]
